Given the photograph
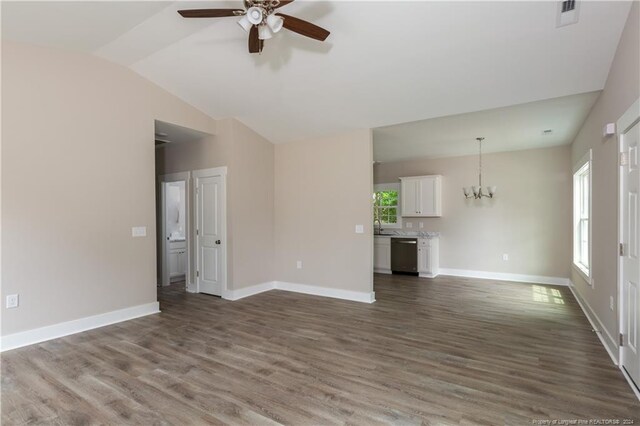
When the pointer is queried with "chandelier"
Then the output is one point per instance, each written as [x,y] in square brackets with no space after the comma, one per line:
[476,191]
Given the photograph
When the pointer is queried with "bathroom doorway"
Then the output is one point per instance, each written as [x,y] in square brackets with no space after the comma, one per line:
[175,250]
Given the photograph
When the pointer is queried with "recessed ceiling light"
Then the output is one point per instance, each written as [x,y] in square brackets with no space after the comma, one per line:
[547,132]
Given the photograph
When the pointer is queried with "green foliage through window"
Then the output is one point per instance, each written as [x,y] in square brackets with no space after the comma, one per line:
[385,207]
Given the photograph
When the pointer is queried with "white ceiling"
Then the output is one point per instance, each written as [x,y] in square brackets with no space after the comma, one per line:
[78,25]
[504,129]
[173,133]
[384,62]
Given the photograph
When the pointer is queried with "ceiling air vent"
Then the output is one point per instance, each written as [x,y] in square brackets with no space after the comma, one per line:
[567,12]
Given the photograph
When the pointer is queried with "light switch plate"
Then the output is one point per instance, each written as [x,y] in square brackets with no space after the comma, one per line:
[139,231]
[359,229]
[409,225]
[609,129]
[299,264]
[12,301]
[421,225]
[505,257]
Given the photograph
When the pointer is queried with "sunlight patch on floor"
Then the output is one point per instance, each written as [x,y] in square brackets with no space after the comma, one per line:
[546,295]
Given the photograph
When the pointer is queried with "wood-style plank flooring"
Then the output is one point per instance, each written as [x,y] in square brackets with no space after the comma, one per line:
[445,351]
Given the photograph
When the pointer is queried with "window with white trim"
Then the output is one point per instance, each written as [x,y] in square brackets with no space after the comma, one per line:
[386,205]
[582,216]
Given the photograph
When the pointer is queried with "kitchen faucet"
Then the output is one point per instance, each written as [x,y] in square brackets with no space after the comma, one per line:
[377,219]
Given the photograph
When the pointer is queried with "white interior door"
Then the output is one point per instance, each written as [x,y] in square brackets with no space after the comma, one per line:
[630,263]
[210,273]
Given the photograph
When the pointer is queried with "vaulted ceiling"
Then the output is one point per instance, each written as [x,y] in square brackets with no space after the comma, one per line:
[384,63]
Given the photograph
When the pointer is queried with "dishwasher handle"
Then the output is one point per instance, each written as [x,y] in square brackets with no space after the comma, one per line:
[405,242]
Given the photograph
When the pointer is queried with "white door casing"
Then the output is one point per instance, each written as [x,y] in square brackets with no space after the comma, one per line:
[210,231]
[629,293]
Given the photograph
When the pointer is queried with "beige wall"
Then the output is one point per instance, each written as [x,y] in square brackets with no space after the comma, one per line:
[621,90]
[323,189]
[78,173]
[251,206]
[529,219]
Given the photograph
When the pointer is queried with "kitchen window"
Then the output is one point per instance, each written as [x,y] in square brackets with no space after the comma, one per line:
[582,216]
[386,205]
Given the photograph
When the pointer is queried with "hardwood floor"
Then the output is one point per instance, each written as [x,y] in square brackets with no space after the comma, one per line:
[445,351]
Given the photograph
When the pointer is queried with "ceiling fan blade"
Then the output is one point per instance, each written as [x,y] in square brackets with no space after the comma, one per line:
[254,41]
[303,27]
[283,3]
[209,13]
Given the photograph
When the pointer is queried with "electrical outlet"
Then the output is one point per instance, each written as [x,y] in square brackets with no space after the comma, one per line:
[611,302]
[505,257]
[421,225]
[359,229]
[299,264]
[12,301]
[409,225]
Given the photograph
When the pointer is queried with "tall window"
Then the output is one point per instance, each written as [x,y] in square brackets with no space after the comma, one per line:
[386,202]
[581,217]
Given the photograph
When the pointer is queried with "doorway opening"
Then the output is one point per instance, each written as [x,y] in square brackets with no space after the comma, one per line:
[190,212]
[174,223]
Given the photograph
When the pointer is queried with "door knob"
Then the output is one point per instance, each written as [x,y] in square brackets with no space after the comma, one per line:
[217,241]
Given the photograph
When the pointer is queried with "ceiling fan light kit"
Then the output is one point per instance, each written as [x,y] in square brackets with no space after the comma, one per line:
[245,23]
[264,33]
[475,191]
[255,15]
[275,23]
[261,21]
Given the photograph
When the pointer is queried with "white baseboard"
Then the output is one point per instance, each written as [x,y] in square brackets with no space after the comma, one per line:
[37,335]
[633,386]
[382,271]
[603,334]
[501,276]
[356,296]
[428,275]
[609,343]
[248,291]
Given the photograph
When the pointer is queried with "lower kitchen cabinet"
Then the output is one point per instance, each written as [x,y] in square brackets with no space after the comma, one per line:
[382,254]
[428,257]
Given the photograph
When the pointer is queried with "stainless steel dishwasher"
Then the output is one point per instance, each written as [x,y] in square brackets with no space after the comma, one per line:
[404,255]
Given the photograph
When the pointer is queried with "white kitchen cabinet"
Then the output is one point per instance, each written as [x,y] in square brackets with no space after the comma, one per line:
[421,196]
[428,257]
[382,254]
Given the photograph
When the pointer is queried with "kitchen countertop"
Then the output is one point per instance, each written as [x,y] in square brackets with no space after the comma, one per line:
[399,234]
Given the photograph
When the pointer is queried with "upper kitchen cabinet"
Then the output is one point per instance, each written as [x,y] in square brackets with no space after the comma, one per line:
[421,196]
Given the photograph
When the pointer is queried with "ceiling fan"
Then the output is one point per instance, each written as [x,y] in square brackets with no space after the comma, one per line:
[261,20]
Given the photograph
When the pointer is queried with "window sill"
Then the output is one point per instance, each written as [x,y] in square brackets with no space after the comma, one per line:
[584,273]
